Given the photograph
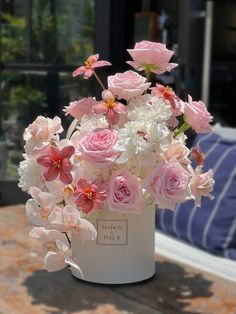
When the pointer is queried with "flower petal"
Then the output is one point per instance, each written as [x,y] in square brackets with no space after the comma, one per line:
[54,261]
[68,151]
[50,173]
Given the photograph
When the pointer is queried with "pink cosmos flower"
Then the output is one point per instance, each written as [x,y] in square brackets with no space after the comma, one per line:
[77,109]
[197,155]
[127,85]
[57,249]
[90,64]
[202,185]
[153,55]
[57,163]
[197,116]
[97,147]
[40,207]
[169,96]
[39,134]
[124,193]
[69,220]
[90,196]
[109,107]
[169,184]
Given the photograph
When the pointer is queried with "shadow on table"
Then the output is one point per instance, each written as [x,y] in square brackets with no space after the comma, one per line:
[171,290]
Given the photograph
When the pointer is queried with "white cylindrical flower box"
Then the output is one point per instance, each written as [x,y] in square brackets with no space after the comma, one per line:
[123,251]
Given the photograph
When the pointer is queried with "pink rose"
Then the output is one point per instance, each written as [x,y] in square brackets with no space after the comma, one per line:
[169,184]
[97,147]
[197,116]
[39,134]
[124,193]
[202,185]
[177,151]
[127,85]
[79,108]
[151,55]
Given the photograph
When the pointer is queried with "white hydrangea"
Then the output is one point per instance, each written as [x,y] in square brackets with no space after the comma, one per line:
[30,174]
[152,107]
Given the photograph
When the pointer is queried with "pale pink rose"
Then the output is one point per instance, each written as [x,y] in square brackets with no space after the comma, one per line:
[178,151]
[202,185]
[110,107]
[169,184]
[57,249]
[97,147]
[40,207]
[77,109]
[40,133]
[127,85]
[69,220]
[89,65]
[197,116]
[124,193]
[153,55]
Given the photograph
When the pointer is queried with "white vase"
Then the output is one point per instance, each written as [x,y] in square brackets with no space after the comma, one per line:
[123,251]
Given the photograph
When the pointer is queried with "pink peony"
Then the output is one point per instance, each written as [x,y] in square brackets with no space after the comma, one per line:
[90,196]
[57,163]
[39,134]
[169,184]
[90,64]
[202,185]
[97,147]
[197,116]
[110,107]
[127,85]
[151,55]
[124,193]
[79,108]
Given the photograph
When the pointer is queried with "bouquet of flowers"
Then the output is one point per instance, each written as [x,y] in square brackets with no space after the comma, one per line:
[121,152]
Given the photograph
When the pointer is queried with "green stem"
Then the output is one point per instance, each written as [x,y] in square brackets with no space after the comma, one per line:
[99,81]
[148,72]
[185,126]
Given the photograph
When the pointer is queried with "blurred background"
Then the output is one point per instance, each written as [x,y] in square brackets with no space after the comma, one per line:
[43,41]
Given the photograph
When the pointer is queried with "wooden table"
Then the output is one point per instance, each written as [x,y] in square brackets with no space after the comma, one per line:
[25,288]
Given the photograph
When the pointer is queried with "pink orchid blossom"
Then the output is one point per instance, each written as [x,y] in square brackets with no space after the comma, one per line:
[90,64]
[57,163]
[152,56]
[69,220]
[90,196]
[57,249]
[109,107]
[77,109]
[202,185]
[197,116]
[169,96]
[40,207]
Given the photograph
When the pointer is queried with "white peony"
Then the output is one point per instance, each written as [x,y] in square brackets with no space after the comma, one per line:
[152,108]
[30,174]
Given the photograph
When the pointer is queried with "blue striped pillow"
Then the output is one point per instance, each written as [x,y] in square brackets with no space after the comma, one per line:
[213,226]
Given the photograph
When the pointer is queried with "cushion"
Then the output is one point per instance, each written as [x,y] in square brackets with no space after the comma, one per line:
[213,226]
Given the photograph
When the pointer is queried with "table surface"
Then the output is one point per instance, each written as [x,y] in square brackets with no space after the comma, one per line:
[26,288]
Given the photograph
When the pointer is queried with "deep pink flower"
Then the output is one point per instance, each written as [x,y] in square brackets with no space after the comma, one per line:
[110,107]
[90,195]
[151,55]
[169,96]
[197,155]
[77,109]
[57,162]
[90,64]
